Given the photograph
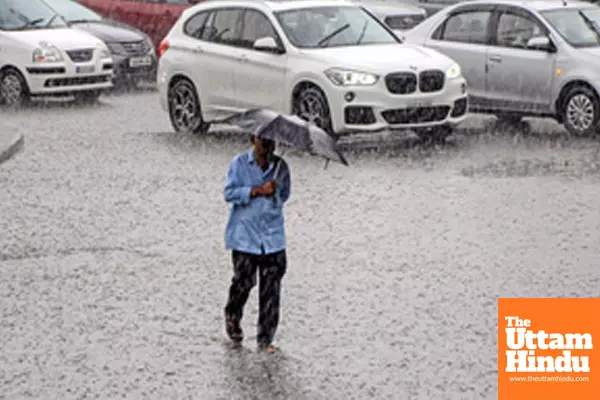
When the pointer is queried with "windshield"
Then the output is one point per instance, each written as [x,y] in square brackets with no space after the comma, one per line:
[28,14]
[579,27]
[73,11]
[332,27]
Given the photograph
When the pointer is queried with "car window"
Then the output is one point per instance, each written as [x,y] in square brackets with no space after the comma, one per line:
[333,26]
[403,22]
[197,25]
[467,27]
[516,30]
[256,25]
[224,27]
[579,27]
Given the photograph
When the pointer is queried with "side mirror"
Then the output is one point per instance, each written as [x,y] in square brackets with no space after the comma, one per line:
[540,43]
[267,43]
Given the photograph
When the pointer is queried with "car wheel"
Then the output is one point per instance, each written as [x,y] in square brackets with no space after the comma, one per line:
[184,108]
[13,88]
[87,97]
[434,135]
[311,105]
[581,111]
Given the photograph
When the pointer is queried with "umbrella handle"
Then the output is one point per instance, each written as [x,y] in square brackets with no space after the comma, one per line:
[275,175]
[326,163]
[277,170]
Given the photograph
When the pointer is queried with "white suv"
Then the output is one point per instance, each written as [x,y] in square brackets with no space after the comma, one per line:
[41,56]
[330,62]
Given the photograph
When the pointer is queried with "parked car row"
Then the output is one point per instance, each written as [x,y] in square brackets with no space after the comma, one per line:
[61,48]
[348,65]
[339,65]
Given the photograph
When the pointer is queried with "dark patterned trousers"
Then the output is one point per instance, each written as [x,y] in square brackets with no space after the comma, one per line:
[271,269]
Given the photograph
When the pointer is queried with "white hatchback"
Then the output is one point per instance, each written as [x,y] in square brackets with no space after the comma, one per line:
[41,56]
[329,62]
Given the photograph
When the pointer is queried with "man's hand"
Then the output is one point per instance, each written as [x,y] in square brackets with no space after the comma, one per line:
[266,189]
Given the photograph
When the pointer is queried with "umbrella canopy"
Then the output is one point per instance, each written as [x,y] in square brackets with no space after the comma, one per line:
[288,130]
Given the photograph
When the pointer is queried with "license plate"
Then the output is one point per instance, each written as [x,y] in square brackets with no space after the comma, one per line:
[419,104]
[135,62]
[84,69]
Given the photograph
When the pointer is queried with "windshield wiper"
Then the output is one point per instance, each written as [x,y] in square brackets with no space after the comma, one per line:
[362,33]
[593,25]
[28,22]
[333,34]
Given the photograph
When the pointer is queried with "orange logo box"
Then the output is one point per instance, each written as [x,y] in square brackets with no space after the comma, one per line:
[549,349]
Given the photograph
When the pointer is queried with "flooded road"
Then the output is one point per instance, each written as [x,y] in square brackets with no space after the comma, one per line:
[113,273]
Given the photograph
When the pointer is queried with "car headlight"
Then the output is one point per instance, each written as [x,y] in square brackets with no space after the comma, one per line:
[104,54]
[454,71]
[46,53]
[344,77]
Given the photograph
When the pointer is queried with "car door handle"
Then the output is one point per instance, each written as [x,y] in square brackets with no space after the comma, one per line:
[496,59]
[243,58]
[198,49]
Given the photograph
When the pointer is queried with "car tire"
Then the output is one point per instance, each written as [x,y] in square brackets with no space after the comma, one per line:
[311,105]
[14,91]
[581,110]
[184,108]
[434,135]
[87,97]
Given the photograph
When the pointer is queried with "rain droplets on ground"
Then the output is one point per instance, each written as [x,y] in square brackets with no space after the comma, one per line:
[113,275]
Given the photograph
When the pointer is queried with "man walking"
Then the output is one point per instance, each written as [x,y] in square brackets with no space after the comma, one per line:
[257,186]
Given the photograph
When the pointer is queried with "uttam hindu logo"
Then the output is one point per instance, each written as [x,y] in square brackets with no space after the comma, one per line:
[549,349]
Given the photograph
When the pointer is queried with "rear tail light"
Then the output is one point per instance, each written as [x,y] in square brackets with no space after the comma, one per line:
[164,45]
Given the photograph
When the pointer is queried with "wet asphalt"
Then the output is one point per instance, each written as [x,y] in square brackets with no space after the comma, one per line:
[113,273]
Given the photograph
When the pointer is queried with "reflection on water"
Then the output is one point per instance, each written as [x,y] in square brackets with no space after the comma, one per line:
[256,375]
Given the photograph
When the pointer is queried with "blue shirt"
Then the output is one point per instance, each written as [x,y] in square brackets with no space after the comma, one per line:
[255,224]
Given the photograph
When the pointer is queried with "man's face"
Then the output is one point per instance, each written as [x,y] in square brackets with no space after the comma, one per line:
[264,147]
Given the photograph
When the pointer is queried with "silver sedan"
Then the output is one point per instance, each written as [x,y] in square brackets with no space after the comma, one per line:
[538,58]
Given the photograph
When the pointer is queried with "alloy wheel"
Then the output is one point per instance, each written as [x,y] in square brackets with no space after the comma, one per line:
[580,112]
[311,109]
[184,108]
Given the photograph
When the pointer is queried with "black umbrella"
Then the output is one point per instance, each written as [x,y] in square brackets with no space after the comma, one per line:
[288,130]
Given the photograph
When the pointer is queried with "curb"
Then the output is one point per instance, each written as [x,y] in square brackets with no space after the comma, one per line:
[10,146]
